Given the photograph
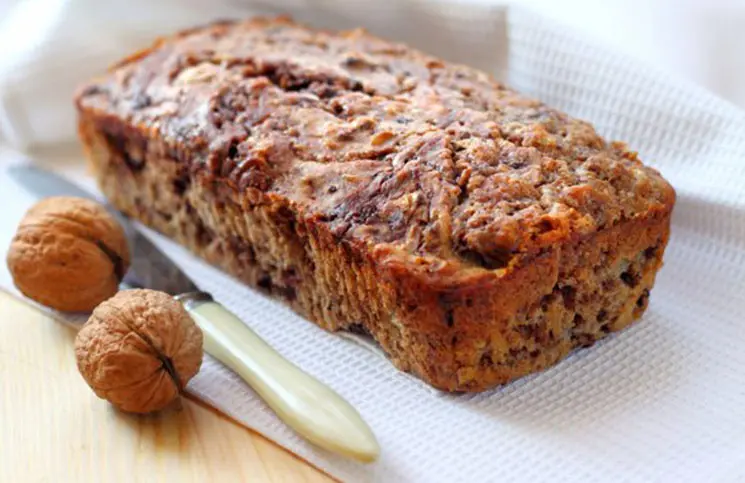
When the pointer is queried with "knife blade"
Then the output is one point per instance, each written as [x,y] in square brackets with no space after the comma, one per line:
[149,267]
[311,408]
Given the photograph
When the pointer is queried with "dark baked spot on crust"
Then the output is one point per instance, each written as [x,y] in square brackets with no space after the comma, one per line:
[630,278]
[569,293]
[652,252]
[643,298]
[449,318]
[135,164]
[284,286]
[602,315]
[233,150]
[288,293]
[181,184]
[493,261]
[265,282]
[203,233]
[358,329]
[642,302]
[118,145]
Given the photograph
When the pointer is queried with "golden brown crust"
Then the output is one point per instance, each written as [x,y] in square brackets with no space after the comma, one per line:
[377,188]
[435,165]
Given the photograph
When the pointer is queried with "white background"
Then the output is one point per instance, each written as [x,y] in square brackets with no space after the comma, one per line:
[702,40]
[697,40]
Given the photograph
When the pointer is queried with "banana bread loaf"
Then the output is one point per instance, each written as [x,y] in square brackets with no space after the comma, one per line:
[476,234]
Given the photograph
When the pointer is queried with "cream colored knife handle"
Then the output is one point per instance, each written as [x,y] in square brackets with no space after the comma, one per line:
[309,407]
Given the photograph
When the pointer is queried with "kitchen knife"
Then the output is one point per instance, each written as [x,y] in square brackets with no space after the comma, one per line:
[312,409]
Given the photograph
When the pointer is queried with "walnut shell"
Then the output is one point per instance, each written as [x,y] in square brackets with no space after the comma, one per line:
[68,254]
[138,350]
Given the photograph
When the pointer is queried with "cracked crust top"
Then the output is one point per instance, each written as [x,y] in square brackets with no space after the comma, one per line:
[434,167]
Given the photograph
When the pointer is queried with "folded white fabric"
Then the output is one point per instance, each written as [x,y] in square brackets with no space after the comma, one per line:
[54,45]
[662,401]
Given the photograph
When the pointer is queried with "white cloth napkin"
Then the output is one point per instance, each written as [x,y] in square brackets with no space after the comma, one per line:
[662,401]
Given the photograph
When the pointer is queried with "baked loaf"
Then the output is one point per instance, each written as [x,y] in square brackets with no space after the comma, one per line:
[476,234]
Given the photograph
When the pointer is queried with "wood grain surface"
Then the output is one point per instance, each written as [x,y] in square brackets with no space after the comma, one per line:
[53,428]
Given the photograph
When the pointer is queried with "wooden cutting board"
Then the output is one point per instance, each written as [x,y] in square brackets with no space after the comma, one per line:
[53,428]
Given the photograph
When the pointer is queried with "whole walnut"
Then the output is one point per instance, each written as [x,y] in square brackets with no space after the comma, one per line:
[68,254]
[138,350]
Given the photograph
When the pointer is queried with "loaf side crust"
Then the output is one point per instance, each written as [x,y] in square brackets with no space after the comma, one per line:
[458,338]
